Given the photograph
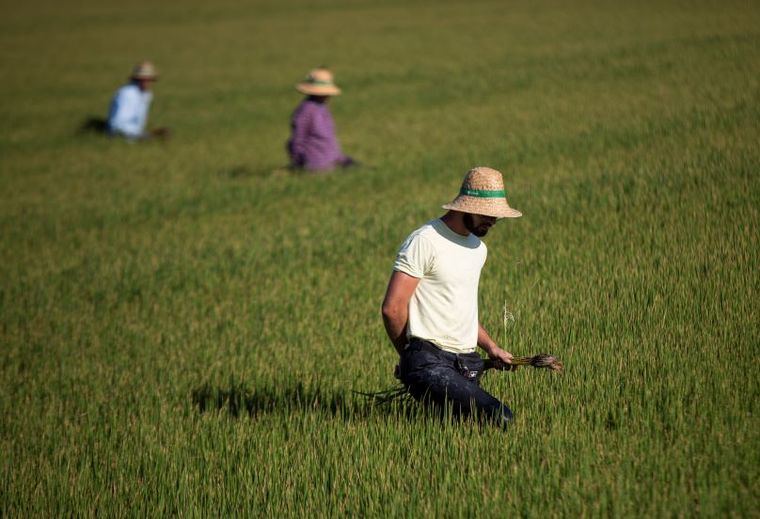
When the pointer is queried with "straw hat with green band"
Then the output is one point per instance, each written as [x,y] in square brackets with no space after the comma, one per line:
[319,82]
[144,70]
[483,193]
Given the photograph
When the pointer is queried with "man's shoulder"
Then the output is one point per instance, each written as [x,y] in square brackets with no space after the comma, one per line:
[128,91]
[129,88]
[440,238]
[426,231]
[304,110]
[307,105]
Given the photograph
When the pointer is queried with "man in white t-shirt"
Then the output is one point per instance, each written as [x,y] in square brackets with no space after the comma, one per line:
[430,309]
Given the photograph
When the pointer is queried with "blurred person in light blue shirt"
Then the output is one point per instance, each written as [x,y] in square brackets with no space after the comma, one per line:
[128,113]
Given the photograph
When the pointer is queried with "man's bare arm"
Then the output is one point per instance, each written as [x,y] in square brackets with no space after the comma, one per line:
[491,348]
[396,307]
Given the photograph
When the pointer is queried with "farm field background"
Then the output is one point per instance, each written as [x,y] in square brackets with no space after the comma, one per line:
[182,326]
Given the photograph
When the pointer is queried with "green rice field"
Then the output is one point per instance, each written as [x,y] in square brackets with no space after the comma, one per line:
[183,324]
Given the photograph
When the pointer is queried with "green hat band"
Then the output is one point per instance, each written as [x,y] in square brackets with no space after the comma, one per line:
[319,82]
[483,193]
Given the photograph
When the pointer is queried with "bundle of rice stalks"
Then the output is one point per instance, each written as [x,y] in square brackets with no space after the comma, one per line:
[386,396]
[542,360]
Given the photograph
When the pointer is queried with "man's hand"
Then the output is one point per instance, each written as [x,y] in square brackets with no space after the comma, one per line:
[161,133]
[501,359]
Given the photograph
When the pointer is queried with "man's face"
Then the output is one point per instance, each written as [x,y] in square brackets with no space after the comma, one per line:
[478,224]
[145,84]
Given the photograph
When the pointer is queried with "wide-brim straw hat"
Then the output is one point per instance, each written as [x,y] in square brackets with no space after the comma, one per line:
[483,193]
[319,82]
[144,70]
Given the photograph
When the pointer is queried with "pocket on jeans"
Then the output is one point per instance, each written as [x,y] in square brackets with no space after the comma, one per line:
[470,365]
[415,345]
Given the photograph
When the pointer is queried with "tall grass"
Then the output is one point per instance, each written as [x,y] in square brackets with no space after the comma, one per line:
[181,330]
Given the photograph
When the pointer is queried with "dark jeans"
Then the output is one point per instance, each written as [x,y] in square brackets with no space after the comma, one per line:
[440,378]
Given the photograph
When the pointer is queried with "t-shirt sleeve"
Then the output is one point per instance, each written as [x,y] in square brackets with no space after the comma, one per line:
[415,257]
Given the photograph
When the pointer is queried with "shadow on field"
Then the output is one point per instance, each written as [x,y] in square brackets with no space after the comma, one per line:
[237,400]
[95,125]
[242,171]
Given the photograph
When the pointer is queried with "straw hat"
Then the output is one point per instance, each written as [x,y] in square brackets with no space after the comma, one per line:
[144,70]
[319,82]
[483,193]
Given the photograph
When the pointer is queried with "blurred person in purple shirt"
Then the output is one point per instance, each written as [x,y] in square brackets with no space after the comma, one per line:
[313,145]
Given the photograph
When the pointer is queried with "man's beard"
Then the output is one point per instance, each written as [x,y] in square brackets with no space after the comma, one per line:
[479,231]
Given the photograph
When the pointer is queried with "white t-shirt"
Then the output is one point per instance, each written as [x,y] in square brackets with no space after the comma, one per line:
[444,307]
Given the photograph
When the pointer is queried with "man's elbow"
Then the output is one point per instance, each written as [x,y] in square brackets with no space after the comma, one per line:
[391,310]
[386,310]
